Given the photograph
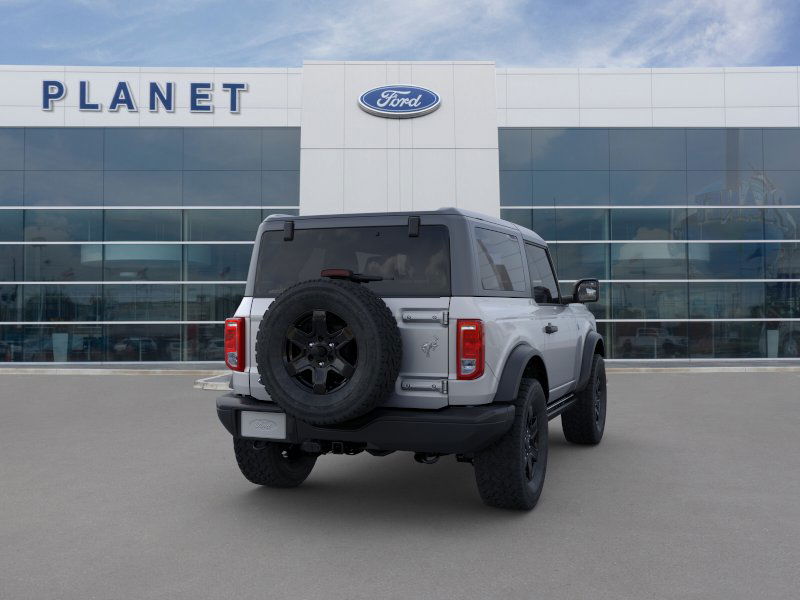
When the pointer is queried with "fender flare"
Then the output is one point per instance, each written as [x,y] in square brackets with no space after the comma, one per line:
[517,360]
[589,345]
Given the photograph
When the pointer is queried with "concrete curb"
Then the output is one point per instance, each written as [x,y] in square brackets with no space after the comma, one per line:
[57,371]
[700,370]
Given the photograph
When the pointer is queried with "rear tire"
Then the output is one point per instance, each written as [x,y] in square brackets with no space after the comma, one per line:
[271,464]
[510,473]
[585,421]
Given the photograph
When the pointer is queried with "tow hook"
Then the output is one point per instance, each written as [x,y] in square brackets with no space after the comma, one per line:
[426,458]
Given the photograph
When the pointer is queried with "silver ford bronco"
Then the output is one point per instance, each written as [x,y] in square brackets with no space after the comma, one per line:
[441,332]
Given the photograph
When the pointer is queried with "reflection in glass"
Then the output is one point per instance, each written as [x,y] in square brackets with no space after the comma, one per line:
[580,261]
[62,303]
[11,338]
[10,226]
[217,263]
[143,342]
[724,149]
[142,225]
[516,188]
[143,188]
[650,339]
[515,149]
[62,343]
[649,224]
[222,148]
[280,188]
[222,188]
[648,261]
[582,224]
[146,262]
[726,223]
[726,300]
[542,222]
[63,148]
[207,302]
[569,188]
[63,225]
[280,148]
[64,188]
[570,149]
[648,187]
[732,188]
[648,149]
[721,339]
[63,262]
[648,300]
[12,148]
[142,302]
[11,263]
[204,342]
[221,225]
[10,303]
[726,261]
[783,340]
[782,260]
[783,299]
[143,148]
[11,188]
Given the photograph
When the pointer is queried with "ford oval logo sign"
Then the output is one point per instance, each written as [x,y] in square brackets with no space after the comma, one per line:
[399,101]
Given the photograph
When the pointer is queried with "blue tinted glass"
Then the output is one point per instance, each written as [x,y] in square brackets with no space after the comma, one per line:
[143,188]
[280,149]
[541,221]
[650,339]
[726,261]
[221,225]
[724,149]
[648,187]
[582,224]
[10,308]
[217,262]
[280,188]
[516,188]
[782,187]
[783,299]
[570,149]
[63,262]
[142,225]
[222,188]
[204,342]
[731,188]
[143,342]
[212,302]
[726,300]
[782,260]
[11,266]
[11,188]
[63,188]
[727,340]
[62,303]
[62,343]
[782,148]
[143,148]
[12,145]
[221,148]
[63,225]
[10,226]
[648,149]
[648,300]
[564,188]
[781,223]
[63,149]
[726,224]
[783,340]
[580,261]
[648,261]
[514,148]
[146,262]
[648,224]
[142,302]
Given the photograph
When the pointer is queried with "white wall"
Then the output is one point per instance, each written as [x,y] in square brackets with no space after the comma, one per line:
[351,161]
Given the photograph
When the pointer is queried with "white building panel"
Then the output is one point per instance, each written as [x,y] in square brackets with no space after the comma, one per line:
[689,90]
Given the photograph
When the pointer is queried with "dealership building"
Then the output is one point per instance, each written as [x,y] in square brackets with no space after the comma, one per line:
[129,197]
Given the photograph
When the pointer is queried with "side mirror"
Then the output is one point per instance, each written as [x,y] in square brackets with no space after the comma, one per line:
[586,290]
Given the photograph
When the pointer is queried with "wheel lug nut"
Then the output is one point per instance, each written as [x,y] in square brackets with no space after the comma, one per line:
[331,344]
[321,364]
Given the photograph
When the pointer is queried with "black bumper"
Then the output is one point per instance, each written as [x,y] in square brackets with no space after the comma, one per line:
[451,430]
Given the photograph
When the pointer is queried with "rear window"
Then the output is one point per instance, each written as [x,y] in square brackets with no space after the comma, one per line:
[410,266]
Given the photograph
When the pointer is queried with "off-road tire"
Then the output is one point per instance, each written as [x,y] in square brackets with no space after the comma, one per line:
[500,469]
[374,331]
[584,421]
[271,464]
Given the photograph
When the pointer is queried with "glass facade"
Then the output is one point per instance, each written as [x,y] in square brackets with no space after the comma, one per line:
[693,232]
[132,244]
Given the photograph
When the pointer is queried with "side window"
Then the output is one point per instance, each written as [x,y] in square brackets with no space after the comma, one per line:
[499,261]
[543,282]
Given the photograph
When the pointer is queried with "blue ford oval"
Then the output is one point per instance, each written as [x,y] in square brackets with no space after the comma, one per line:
[399,101]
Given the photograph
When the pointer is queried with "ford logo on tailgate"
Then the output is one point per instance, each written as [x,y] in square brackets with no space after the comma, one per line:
[399,101]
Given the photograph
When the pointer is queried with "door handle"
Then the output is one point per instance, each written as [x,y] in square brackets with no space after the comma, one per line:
[550,328]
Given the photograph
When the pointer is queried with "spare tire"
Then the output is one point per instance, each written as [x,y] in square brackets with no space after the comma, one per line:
[328,351]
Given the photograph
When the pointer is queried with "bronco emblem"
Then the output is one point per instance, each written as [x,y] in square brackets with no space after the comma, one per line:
[429,347]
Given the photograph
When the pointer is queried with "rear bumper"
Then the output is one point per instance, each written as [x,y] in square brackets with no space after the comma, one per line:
[451,430]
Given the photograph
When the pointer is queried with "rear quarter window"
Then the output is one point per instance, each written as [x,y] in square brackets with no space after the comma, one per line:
[499,261]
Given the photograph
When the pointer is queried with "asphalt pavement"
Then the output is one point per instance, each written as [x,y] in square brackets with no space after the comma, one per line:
[125,486]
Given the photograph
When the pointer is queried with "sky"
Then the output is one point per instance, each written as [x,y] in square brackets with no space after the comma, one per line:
[565,33]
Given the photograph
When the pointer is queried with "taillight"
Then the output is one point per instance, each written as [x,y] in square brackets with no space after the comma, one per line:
[469,353]
[234,343]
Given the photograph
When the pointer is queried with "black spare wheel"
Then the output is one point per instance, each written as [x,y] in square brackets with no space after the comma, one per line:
[328,351]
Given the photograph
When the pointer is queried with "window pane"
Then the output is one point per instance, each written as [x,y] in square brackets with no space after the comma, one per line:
[516,188]
[543,283]
[581,261]
[142,225]
[783,187]
[221,225]
[570,149]
[65,188]
[648,301]
[142,302]
[514,149]
[143,148]
[651,339]
[217,263]
[648,224]
[782,148]
[648,187]
[280,147]
[62,303]
[280,188]
[726,261]
[212,302]
[11,263]
[63,149]
[726,224]
[726,300]
[648,149]
[221,188]
[153,262]
[724,149]
[143,188]
[10,306]
[12,147]
[582,224]
[727,340]
[571,188]
[11,188]
[204,342]
[784,340]
[143,342]
[63,225]
[540,221]
[11,339]
[783,261]
[499,261]
[783,299]
[67,262]
[10,226]
[731,188]
[781,223]
[221,148]
[62,343]
[648,261]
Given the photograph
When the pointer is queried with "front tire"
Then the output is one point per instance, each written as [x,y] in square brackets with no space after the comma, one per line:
[585,421]
[510,473]
[271,464]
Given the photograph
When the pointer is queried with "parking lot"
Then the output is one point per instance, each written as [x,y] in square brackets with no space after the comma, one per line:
[125,486]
